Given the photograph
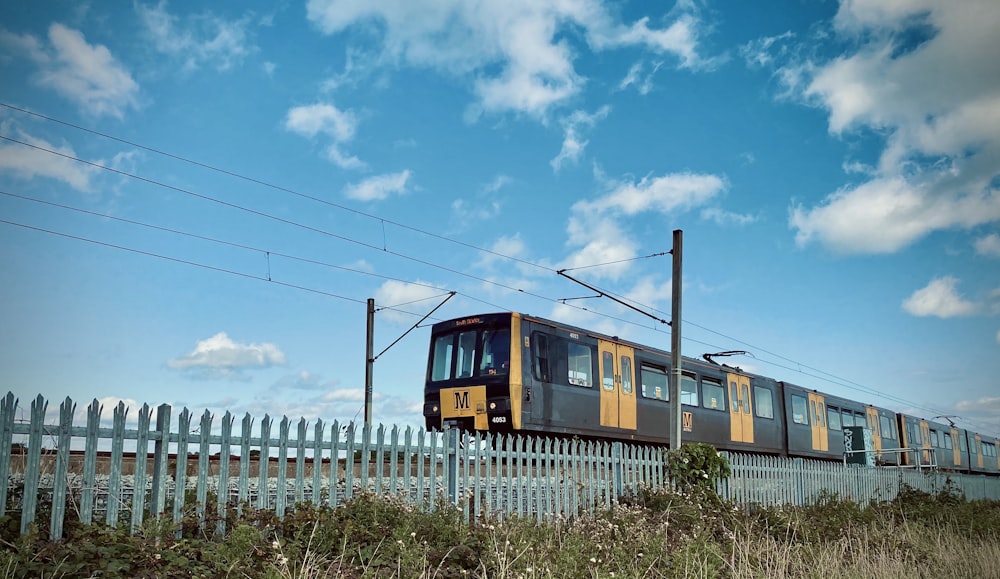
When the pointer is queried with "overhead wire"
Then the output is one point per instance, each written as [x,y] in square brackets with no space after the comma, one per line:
[832,378]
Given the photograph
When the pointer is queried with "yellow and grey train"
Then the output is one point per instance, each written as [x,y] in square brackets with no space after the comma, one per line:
[511,372]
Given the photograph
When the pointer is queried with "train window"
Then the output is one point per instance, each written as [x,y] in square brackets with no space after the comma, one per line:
[887,430]
[859,419]
[746,399]
[713,395]
[947,441]
[764,403]
[962,444]
[541,351]
[626,375]
[496,352]
[800,410]
[989,449]
[608,376]
[833,418]
[654,382]
[847,418]
[441,365]
[466,354]
[821,416]
[689,389]
[581,364]
[935,442]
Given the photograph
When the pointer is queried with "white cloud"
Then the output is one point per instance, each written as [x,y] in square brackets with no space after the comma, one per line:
[573,144]
[727,218]
[672,192]
[988,245]
[921,74]
[28,163]
[985,405]
[594,227]
[403,295]
[221,357]
[518,52]
[327,120]
[88,75]
[204,39]
[648,292]
[760,52]
[643,83]
[939,299]
[379,187]
[886,215]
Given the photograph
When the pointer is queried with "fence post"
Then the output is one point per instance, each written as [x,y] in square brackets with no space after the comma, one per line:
[161,453]
[451,453]
[800,489]
[31,474]
[7,409]
[616,459]
[60,480]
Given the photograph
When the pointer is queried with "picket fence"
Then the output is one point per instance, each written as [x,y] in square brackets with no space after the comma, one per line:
[191,472]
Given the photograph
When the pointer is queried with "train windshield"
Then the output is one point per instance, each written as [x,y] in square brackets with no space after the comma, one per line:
[470,353]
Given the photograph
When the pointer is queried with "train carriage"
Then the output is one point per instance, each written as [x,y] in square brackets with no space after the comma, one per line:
[510,372]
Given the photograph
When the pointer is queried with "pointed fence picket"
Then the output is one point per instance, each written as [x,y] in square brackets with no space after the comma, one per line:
[193,473]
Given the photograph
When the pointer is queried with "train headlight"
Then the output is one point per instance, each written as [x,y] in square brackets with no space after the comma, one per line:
[493,405]
[435,409]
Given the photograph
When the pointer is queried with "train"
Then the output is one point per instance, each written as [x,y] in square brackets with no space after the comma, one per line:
[511,372]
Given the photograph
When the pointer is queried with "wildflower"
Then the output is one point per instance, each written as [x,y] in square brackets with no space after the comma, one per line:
[275,545]
[413,535]
[593,560]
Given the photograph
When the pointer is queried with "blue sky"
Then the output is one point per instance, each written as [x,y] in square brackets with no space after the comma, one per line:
[197,202]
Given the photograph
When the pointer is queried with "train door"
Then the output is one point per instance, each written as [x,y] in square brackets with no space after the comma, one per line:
[927,454]
[817,407]
[956,454]
[979,452]
[740,408]
[876,431]
[617,385]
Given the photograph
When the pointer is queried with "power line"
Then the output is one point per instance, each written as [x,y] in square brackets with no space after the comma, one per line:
[830,377]
[273,186]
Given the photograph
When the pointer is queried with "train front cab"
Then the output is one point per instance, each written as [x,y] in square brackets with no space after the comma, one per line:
[474,374]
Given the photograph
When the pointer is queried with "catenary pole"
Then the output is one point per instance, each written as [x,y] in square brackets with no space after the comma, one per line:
[675,340]
[369,361]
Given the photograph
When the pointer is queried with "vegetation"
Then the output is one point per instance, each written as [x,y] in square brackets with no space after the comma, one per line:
[687,532]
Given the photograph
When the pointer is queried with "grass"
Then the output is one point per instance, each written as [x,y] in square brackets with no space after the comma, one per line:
[654,533]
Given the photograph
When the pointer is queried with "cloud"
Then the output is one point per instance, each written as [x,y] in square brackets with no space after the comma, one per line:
[917,74]
[939,299]
[379,187]
[221,357]
[727,218]
[988,245]
[643,83]
[518,55]
[404,295]
[327,120]
[672,192]
[203,40]
[886,215]
[29,163]
[573,144]
[594,226]
[760,52]
[86,74]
